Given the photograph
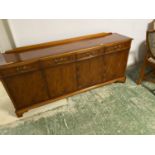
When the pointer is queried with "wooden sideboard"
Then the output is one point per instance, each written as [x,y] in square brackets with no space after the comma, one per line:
[38,74]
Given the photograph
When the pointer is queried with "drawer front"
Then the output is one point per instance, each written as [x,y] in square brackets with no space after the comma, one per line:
[19,69]
[58,60]
[117,47]
[90,54]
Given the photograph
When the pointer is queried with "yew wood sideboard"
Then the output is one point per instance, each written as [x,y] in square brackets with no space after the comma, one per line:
[38,74]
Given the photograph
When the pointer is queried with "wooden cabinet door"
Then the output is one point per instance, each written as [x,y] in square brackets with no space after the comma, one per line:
[60,73]
[26,89]
[90,72]
[61,79]
[115,65]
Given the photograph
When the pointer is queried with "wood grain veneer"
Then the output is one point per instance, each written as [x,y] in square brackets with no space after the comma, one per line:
[38,74]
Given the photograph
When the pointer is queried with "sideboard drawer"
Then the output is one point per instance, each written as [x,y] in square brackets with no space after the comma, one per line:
[22,68]
[53,61]
[90,54]
[117,47]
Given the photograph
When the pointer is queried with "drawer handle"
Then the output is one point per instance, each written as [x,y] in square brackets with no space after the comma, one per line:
[60,60]
[21,68]
[89,54]
[117,47]
[56,60]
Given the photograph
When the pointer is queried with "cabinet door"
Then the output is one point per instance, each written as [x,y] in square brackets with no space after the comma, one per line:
[26,89]
[90,72]
[115,65]
[61,79]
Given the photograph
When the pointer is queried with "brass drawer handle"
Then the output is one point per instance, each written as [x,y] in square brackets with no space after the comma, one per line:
[21,68]
[116,47]
[89,54]
[57,60]
[63,59]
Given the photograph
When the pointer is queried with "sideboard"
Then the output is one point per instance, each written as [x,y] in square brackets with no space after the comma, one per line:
[38,74]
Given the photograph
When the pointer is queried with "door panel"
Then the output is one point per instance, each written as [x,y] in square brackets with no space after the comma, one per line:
[27,89]
[90,72]
[61,79]
[115,65]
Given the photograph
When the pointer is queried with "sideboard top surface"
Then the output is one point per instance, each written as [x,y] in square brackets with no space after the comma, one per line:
[34,54]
